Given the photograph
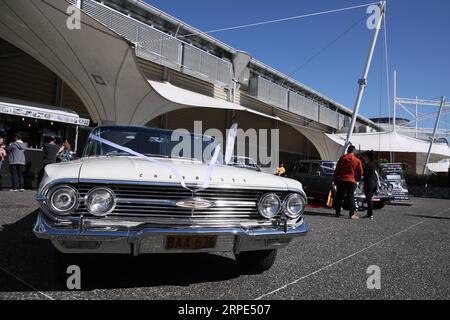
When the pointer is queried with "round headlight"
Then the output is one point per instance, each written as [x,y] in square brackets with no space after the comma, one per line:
[294,205]
[63,200]
[100,201]
[269,205]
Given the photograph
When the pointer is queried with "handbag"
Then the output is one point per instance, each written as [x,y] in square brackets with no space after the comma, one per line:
[330,198]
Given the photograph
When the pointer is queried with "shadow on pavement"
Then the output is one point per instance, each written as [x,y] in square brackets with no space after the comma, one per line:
[34,261]
[320,213]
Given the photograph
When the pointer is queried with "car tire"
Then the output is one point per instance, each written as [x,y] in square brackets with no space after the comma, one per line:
[255,262]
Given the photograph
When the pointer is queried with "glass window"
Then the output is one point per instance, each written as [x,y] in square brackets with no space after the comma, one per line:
[304,167]
[315,168]
[151,142]
[295,167]
[328,168]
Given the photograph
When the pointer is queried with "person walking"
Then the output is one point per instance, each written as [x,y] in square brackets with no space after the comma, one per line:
[16,159]
[346,175]
[49,150]
[2,156]
[370,181]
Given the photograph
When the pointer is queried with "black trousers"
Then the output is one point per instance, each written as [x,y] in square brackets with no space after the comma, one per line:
[369,191]
[345,190]
[40,174]
[16,175]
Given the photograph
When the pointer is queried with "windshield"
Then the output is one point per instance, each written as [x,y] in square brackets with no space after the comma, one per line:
[152,142]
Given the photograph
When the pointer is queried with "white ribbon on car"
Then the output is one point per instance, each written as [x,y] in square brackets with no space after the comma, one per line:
[211,165]
[231,137]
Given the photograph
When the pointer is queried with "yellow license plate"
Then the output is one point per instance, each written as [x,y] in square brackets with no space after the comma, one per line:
[190,242]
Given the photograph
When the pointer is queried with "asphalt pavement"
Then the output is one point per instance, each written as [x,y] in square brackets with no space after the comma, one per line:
[409,245]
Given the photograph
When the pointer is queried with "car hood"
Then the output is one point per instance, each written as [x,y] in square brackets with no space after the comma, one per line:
[141,170]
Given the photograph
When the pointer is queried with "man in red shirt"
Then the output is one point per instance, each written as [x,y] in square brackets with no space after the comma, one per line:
[348,172]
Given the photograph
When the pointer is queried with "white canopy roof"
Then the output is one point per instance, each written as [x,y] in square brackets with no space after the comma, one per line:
[390,142]
[440,166]
[178,98]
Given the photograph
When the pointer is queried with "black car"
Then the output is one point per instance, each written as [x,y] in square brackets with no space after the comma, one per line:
[317,177]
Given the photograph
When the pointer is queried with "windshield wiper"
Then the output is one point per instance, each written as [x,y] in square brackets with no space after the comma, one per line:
[185,158]
[116,153]
[156,155]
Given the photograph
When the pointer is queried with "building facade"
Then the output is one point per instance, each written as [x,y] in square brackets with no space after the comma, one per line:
[170,51]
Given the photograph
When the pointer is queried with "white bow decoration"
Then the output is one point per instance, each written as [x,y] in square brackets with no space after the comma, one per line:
[211,165]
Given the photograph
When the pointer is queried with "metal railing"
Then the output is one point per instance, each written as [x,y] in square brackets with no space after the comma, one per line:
[159,47]
[328,117]
[269,92]
[303,106]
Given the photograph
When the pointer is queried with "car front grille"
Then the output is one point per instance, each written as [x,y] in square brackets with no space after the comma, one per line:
[158,203]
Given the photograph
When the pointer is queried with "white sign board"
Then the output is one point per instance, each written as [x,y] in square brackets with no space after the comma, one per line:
[44,114]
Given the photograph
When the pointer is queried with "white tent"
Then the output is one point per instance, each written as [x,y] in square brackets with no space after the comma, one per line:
[440,166]
[390,142]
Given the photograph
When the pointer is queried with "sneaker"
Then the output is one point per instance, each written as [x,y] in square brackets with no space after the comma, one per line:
[354,217]
[22,190]
[13,190]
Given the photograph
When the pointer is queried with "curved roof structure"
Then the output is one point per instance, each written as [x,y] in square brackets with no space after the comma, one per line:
[98,64]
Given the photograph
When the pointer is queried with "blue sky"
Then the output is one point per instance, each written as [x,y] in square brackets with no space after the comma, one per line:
[418,43]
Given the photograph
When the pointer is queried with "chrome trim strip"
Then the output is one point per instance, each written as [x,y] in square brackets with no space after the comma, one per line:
[228,203]
[43,190]
[172,203]
[156,202]
[174,184]
[46,230]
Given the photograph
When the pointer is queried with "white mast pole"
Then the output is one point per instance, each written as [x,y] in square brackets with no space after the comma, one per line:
[394,118]
[417,117]
[363,81]
[434,134]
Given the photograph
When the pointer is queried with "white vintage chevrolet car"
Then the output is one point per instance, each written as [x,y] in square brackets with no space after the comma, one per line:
[111,201]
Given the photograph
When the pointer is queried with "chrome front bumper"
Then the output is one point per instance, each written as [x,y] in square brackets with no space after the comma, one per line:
[110,239]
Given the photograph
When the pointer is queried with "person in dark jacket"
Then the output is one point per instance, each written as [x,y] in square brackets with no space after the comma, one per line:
[370,181]
[49,150]
[2,156]
[346,175]
[16,159]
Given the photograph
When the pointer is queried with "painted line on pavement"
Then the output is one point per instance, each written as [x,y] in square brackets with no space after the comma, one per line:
[349,256]
[25,283]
